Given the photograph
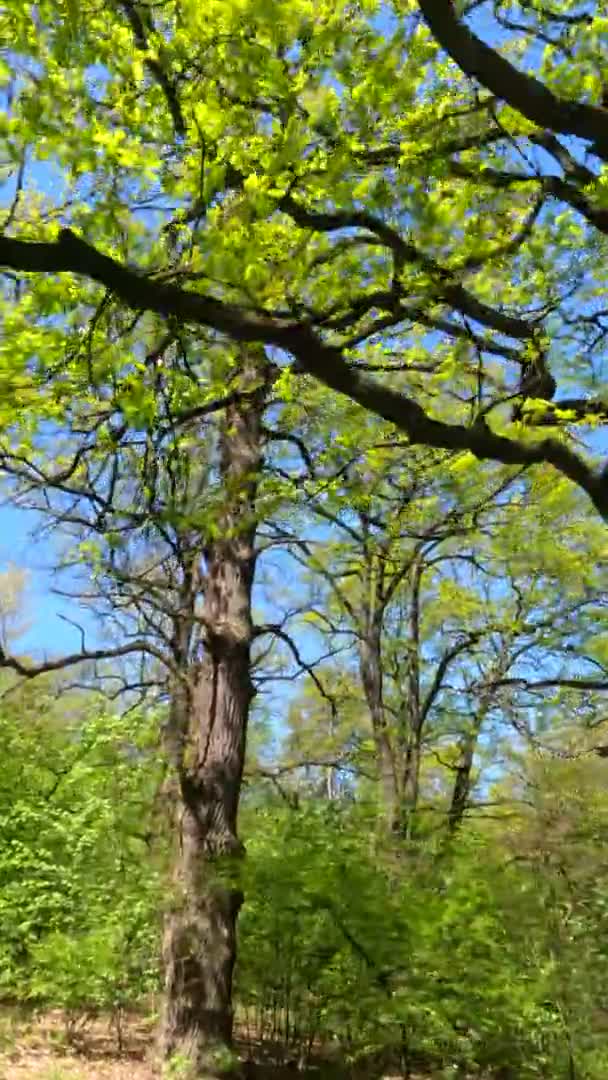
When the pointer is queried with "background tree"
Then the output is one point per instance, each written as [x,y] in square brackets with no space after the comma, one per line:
[439,615]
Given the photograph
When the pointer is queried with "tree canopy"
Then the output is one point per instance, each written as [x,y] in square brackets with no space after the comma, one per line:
[410,232]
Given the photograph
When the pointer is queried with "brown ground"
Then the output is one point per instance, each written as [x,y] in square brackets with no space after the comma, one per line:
[39,1047]
[48,1066]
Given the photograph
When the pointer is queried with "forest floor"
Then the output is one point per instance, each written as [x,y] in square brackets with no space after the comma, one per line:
[43,1047]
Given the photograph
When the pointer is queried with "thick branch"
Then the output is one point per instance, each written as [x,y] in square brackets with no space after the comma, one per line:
[523,92]
[405,252]
[553,186]
[327,363]
[440,672]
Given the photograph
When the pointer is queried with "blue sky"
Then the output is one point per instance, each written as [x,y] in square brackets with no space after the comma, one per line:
[23,543]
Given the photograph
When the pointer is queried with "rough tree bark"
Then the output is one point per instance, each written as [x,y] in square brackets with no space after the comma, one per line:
[206,742]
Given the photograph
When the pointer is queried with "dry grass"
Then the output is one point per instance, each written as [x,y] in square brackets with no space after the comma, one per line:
[50,1066]
[37,1048]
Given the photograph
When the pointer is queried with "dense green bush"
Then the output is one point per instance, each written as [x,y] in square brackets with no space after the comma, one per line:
[485,958]
[78,882]
[447,961]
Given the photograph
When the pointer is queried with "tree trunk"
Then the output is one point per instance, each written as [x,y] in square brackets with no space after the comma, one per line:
[461,791]
[206,738]
[370,666]
[462,783]
[411,783]
[411,738]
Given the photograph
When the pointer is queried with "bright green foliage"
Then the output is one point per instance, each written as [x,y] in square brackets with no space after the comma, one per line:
[487,954]
[377,953]
[317,165]
[78,891]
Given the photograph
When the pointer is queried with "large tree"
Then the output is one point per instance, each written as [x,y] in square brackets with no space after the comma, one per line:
[307,190]
[161,505]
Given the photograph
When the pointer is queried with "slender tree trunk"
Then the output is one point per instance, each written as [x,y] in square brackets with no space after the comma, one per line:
[463,780]
[370,665]
[207,737]
[411,782]
[414,719]
[463,783]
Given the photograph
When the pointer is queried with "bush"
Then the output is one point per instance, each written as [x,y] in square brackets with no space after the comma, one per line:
[79,890]
[396,955]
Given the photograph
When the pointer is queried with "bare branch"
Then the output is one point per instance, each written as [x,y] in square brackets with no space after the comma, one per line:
[279,632]
[30,670]
[577,682]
